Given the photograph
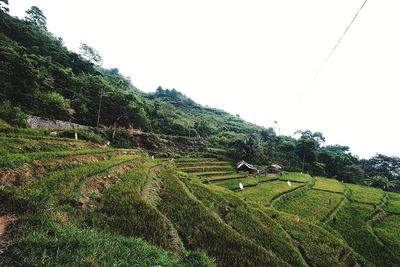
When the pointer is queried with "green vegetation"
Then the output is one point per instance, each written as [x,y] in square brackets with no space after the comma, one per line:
[265,192]
[365,194]
[313,205]
[331,185]
[319,247]
[351,223]
[233,184]
[40,240]
[296,177]
[200,228]
[78,203]
[388,232]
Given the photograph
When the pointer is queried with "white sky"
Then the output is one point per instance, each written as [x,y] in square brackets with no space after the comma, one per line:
[254,58]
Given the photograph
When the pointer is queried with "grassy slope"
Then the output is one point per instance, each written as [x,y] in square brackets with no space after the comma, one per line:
[258,227]
[199,227]
[351,224]
[265,192]
[313,205]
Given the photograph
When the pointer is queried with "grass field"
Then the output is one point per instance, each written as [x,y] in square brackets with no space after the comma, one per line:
[265,192]
[365,194]
[295,177]
[351,223]
[393,203]
[233,184]
[331,185]
[388,232]
[92,206]
[313,205]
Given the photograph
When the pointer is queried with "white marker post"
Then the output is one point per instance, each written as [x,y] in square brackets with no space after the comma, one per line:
[241,186]
[76,136]
[289,183]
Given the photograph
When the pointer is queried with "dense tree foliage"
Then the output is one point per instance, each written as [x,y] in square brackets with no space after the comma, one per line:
[40,76]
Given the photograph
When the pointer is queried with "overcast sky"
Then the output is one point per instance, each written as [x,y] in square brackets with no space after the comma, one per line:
[254,58]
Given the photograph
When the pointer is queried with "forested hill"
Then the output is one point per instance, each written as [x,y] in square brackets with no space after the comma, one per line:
[40,76]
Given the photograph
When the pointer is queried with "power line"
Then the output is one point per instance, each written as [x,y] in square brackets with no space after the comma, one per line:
[330,54]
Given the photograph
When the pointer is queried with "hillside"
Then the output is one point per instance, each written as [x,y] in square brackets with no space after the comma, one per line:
[165,191]
[59,195]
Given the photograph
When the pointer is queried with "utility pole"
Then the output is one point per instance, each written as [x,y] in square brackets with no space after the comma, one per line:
[302,167]
[98,112]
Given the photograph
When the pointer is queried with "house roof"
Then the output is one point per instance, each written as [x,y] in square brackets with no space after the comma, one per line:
[241,163]
[276,166]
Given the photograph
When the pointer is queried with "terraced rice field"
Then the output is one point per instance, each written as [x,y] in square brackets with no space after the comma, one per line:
[264,193]
[330,185]
[295,177]
[365,194]
[124,208]
[233,184]
[313,205]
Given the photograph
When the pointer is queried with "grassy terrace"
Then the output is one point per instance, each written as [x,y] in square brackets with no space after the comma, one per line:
[265,192]
[331,185]
[251,223]
[206,169]
[351,223]
[319,247]
[365,194]
[313,205]
[201,228]
[295,177]
[59,185]
[393,204]
[16,160]
[233,184]
[388,232]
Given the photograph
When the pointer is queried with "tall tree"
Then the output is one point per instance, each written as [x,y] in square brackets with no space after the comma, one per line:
[36,17]
[4,5]
[90,54]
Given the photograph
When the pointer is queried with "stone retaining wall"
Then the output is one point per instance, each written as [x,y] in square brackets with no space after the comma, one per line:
[43,123]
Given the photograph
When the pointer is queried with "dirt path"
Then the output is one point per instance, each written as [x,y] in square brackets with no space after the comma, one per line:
[5,220]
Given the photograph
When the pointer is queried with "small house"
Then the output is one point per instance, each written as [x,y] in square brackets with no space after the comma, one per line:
[243,166]
[275,168]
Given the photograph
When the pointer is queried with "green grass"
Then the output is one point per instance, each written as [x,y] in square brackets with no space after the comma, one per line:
[226,177]
[233,184]
[123,211]
[295,177]
[16,160]
[23,145]
[59,185]
[331,185]
[203,164]
[365,194]
[205,174]
[251,223]
[187,160]
[393,204]
[40,240]
[351,223]
[318,246]
[206,169]
[388,232]
[313,205]
[201,228]
[265,192]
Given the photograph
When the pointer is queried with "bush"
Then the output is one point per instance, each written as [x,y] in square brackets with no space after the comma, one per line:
[12,115]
